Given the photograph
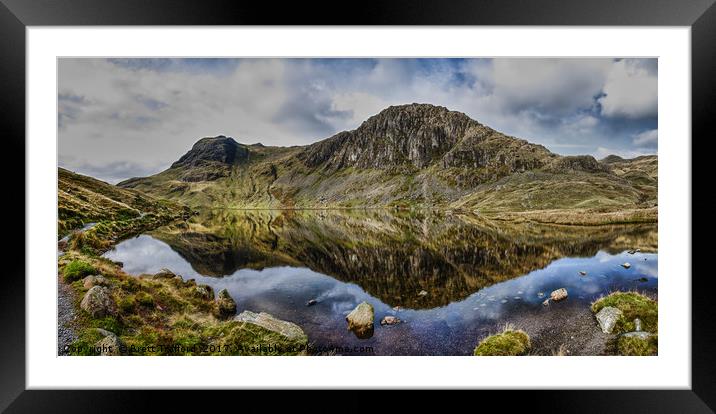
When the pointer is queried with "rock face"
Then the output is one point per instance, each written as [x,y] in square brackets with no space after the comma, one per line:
[558,294]
[585,163]
[360,320]
[287,329]
[418,135]
[608,317]
[97,302]
[225,305]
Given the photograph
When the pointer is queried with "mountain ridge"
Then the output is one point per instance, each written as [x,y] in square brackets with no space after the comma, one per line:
[406,155]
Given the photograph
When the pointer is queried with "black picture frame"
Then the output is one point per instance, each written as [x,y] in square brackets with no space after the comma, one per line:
[16,15]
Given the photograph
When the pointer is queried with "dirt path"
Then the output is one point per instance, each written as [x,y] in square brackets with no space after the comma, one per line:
[65,315]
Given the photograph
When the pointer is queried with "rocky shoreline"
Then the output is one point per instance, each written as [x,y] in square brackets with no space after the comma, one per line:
[570,329]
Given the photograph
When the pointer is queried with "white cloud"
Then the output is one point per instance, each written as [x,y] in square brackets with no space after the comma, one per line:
[555,86]
[134,119]
[630,91]
[647,138]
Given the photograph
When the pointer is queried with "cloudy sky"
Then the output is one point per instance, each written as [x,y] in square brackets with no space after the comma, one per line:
[120,118]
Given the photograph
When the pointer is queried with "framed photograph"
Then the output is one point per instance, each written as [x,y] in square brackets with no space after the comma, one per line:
[466,196]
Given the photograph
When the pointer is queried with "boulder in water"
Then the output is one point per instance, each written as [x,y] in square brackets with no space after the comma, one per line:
[360,320]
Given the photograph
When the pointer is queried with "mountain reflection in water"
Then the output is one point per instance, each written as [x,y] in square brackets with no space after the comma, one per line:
[476,271]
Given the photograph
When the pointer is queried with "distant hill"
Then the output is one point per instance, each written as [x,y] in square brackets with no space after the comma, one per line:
[415,155]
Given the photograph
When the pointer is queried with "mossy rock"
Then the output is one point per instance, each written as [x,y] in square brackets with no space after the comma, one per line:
[633,305]
[636,346]
[508,343]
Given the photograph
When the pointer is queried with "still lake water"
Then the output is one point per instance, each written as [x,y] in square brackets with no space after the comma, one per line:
[478,274]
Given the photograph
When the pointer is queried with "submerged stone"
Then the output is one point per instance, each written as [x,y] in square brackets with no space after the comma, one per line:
[390,320]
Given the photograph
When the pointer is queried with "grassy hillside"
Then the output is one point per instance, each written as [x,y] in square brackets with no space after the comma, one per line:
[117,212]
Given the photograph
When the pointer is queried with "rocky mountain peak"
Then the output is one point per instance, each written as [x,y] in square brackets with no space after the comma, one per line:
[415,135]
[220,149]
[409,115]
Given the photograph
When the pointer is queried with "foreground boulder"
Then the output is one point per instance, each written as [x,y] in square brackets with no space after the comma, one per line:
[97,302]
[608,317]
[289,330]
[225,305]
[360,320]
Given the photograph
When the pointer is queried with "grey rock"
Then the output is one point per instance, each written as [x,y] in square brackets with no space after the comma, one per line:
[608,317]
[626,265]
[422,293]
[97,302]
[287,329]
[311,302]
